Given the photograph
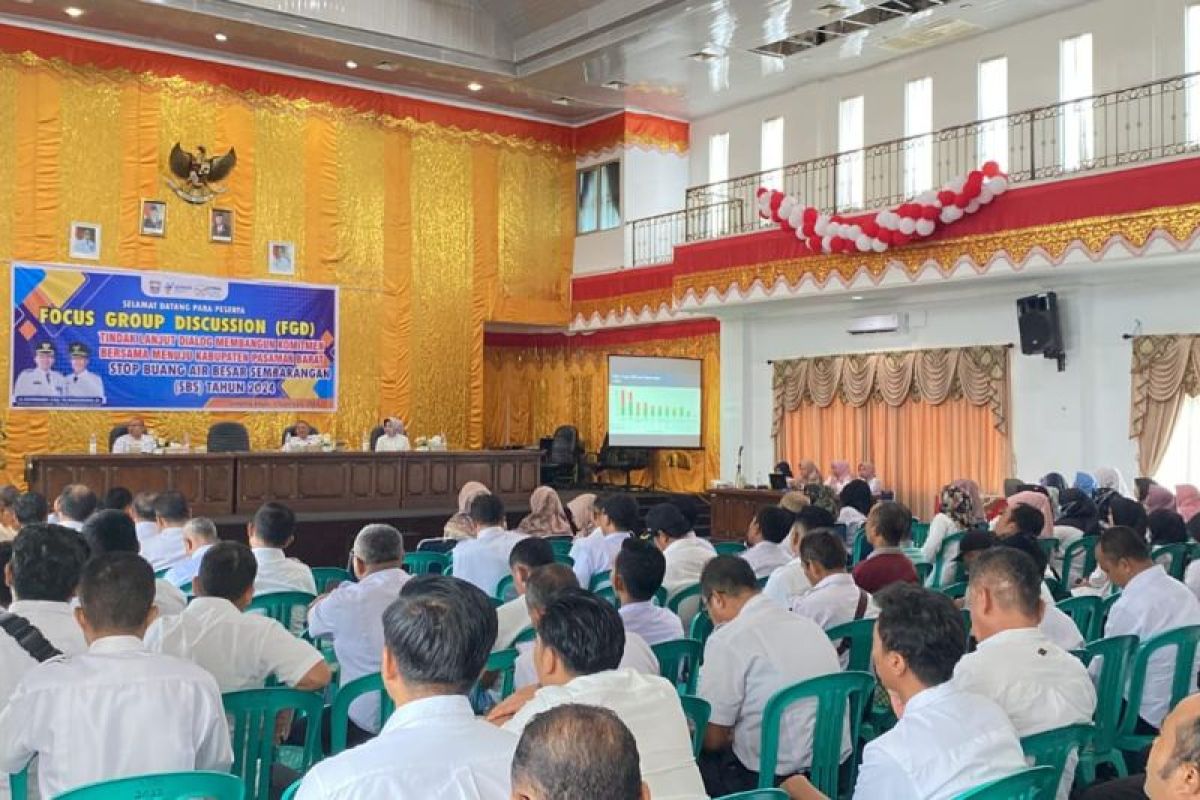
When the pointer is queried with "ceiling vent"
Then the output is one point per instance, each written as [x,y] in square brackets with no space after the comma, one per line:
[862,20]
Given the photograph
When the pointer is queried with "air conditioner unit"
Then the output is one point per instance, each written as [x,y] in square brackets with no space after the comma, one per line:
[879,323]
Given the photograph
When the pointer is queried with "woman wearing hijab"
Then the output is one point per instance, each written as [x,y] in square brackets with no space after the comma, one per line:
[394,438]
[972,489]
[1054,480]
[806,473]
[1039,501]
[856,499]
[582,512]
[1158,498]
[1078,510]
[459,526]
[1187,501]
[866,472]
[1128,513]
[956,513]
[1110,483]
[1086,483]
[839,475]
[546,516]
[822,496]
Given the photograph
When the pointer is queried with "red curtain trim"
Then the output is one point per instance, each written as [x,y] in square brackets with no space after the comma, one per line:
[626,281]
[620,129]
[606,338]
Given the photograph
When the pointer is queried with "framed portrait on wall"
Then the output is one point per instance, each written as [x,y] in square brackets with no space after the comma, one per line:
[221,225]
[84,241]
[154,218]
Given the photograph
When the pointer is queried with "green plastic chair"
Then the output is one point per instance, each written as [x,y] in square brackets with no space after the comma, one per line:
[1049,546]
[1052,748]
[859,633]
[679,662]
[1035,782]
[1084,549]
[660,597]
[505,663]
[425,562]
[252,716]
[757,794]
[339,711]
[924,570]
[610,594]
[564,559]
[1176,556]
[289,609]
[859,551]
[165,786]
[701,628]
[1084,611]
[18,783]
[506,589]
[290,792]
[1184,640]
[939,560]
[600,580]
[955,591]
[1106,605]
[326,576]
[729,548]
[836,695]
[161,573]
[918,533]
[697,710]
[1117,652]
[689,595]
[526,635]
[561,547]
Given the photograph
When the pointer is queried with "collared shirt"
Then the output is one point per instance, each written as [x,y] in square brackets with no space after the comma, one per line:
[649,707]
[296,443]
[787,583]
[511,618]
[747,660]
[637,656]
[114,711]
[940,527]
[1061,629]
[240,650]
[278,573]
[127,444]
[145,529]
[595,553]
[164,550]
[483,560]
[834,601]
[685,559]
[36,383]
[84,384]
[429,748]
[1038,685]
[946,742]
[391,444]
[186,571]
[57,623]
[1153,602]
[766,557]
[654,624]
[352,616]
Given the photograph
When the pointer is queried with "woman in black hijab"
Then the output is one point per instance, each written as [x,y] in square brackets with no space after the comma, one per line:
[1077,510]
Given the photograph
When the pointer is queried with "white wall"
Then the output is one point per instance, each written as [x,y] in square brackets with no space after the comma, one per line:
[1078,419]
[1133,41]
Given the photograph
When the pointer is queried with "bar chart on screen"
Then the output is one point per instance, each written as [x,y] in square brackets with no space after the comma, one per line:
[654,402]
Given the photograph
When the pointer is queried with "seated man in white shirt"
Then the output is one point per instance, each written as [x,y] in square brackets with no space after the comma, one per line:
[165,549]
[636,576]
[578,651]
[757,649]
[684,551]
[790,580]
[946,741]
[483,560]
[240,650]
[271,531]
[143,515]
[199,534]
[438,635]
[118,709]
[766,550]
[43,573]
[1039,685]
[352,617]
[513,617]
[616,516]
[575,750]
[113,532]
[301,437]
[135,440]
[835,598]
[76,503]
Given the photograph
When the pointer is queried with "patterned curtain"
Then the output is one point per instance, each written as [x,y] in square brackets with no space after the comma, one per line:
[1166,369]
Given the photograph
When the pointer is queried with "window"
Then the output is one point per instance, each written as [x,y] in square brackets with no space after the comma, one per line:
[1075,83]
[850,155]
[1181,462]
[993,106]
[771,163]
[918,122]
[598,198]
[718,173]
[1191,58]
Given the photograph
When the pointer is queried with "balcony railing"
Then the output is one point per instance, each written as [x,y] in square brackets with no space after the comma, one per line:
[1142,123]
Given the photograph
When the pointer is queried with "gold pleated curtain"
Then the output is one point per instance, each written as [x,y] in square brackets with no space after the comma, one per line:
[1165,370]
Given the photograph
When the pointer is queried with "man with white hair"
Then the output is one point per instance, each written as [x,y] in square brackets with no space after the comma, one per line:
[199,534]
[352,617]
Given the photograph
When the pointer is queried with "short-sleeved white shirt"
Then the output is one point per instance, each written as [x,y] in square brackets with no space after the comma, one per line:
[637,657]
[483,560]
[685,559]
[278,573]
[56,621]
[654,624]
[595,553]
[787,583]
[766,557]
[164,549]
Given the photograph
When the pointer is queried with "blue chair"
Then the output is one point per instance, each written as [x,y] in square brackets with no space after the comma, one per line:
[164,786]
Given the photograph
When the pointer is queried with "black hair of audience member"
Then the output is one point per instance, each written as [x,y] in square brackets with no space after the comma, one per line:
[1193,527]
[585,631]
[892,521]
[622,510]
[46,562]
[1129,514]
[814,517]
[487,509]
[1012,576]
[274,524]
[143,506]
[774,522]
[1122,542]
[1029,522]
[824,548]
[118,498]
[116,592]
[577,751]
[727,574]
[440,632]
[6,551]
[785,469]
[1166,527]
[110,531]
[1141,487]
[667,519]
[9,494]
[1028,519]
[172,507]
[227,570]
[544,584]
[857,495]
[641,567]
[923,626]
[687,507]
[31,509]
[532,551]
[77,502]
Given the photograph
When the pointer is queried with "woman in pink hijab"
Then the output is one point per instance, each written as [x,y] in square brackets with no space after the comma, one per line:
[459,526]
[546,516]
[839,475]
[583,513]
[1158,498]
[972,489]
[1187,501]
[1042,503]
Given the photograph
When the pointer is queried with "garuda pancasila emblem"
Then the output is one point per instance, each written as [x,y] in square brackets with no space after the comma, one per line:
[196,173]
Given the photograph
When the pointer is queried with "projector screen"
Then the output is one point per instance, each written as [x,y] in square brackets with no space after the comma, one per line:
[653,402]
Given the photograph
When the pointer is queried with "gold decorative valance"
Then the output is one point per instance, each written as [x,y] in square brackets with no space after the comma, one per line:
[1165,370]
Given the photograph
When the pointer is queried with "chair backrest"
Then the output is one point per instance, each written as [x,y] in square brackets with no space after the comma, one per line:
[701,627]
[685,603]
[436,545]
[1024,785]
[290,430]
[1117,654]
[561,546]
[1106,605]
[610,594]
[1049,545]
[924,570]
[504,662]
[376,432]
[757,794]
[252,716]
[506,589]
[424,562]
[679,662]
[860,549]
[918,533]
[164,786]
[1084,611]
[955,590]
[1084,549]
[600,580]
[290,792]
[339,710]
[729,548]
[1184,641]
[1174,557]
[565,445]
[324,576]
[1052,748]
[838,696]
[859,633]
[697,710]
[228,437]
[939,560]
[18,782]
[116,432]
[282,607]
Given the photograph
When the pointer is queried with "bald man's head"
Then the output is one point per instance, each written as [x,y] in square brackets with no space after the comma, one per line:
[1173,770]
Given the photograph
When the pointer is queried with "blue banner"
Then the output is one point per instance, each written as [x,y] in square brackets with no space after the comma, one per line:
[120,339]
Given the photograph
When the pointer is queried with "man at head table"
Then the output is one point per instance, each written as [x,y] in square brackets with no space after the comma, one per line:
[136,440]
[302,436]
